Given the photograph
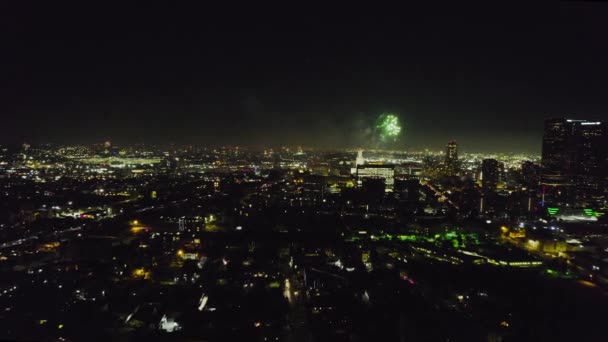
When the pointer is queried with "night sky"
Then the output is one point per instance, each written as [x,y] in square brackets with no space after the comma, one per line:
[314,77]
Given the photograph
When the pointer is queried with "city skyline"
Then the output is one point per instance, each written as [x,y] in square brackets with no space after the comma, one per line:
[368,145]
[287,244]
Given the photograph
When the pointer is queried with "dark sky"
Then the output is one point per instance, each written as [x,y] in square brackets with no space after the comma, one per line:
[316,77]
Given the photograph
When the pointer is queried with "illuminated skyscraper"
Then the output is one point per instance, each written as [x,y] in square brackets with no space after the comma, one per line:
[591,139]
[386,172]
[574,157]
[556,163]
[451,158]
[489,173]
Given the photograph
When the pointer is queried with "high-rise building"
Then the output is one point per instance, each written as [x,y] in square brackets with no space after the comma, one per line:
[490,175]
[530,173]
[377,171]
[574,157]
[451,158]
[591,139]
[501,173]
[556,161]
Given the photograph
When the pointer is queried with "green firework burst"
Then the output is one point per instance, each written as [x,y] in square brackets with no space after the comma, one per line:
[388,127]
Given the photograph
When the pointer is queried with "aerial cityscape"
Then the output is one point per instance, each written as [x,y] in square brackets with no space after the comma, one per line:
[282,183]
